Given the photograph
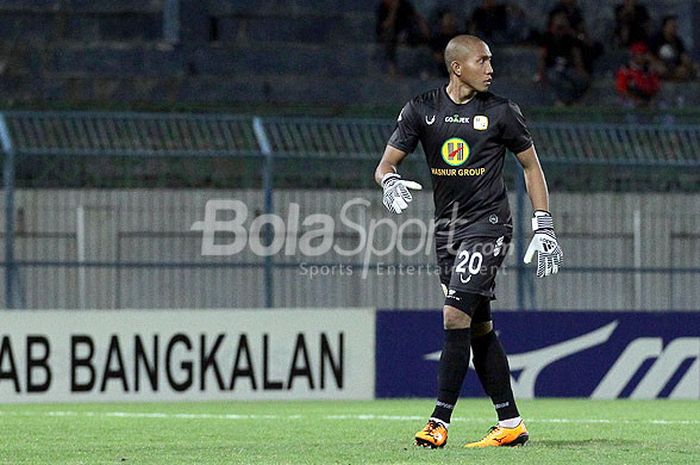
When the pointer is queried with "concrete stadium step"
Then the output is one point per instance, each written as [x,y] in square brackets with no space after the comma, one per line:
[371,91]
[104,60]
[81,6]
[116,60]
[227,7]
[301,59]
[254,89]
[48,27]
[346,60]
[27,27]
[297,28]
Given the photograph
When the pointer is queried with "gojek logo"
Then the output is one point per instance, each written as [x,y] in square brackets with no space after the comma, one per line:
[455,151]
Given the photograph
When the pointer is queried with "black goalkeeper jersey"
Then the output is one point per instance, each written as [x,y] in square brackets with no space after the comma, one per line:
[465,147]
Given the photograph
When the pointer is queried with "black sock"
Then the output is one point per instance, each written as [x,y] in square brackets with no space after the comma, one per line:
[492,368]
[453,366]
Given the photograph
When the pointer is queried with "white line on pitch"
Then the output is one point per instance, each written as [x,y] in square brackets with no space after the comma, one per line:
[371,417]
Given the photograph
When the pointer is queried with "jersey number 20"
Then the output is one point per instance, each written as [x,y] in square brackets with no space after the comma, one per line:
[471,264]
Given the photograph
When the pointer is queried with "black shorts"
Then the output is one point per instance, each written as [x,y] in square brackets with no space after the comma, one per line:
[470,263]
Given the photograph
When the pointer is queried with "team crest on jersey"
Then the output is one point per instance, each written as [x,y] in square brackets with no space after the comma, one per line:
[455,151]
[481,122]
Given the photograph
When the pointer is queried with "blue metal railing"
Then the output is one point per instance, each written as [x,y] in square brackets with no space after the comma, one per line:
[68,134]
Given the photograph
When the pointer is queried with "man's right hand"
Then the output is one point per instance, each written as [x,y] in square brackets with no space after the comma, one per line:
[396,192]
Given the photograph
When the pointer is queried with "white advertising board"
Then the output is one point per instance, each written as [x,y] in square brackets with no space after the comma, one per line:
[154,355]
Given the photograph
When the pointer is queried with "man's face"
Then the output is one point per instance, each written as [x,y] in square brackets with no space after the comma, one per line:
[448,23]
[640,59]
[560,24]
[671,27]
[475,67]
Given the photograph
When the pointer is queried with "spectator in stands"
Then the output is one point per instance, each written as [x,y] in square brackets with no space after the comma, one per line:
[399,22]
[591,49]
[519,30]
[561,62]
[490,22]
[499,23]
[636,82]
[668,49]
[573,14]
[632,23]
[447,28]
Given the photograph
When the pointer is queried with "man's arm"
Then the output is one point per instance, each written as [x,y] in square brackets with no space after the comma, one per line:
[534,179]
[396,191]
[544,241]
[390,160]
[541,75]
[578,62]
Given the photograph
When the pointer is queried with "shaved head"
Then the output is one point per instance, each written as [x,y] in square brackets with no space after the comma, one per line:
[468,61]
[460,48]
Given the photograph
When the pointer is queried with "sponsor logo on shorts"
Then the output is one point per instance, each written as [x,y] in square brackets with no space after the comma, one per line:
[452,294]
[498,247]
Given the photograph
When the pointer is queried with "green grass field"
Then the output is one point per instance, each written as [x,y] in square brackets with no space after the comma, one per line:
[561,432]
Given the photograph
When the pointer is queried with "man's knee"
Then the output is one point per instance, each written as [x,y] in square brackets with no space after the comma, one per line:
[482,328]
[454,318]
[462,304]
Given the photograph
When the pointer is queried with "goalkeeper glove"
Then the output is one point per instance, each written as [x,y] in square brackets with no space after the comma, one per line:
[544,242]
[396,192]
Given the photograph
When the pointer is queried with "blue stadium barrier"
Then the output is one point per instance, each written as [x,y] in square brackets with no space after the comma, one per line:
[553,354]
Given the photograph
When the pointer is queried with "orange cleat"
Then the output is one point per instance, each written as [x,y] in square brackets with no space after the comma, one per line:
[434,435]
[499,436]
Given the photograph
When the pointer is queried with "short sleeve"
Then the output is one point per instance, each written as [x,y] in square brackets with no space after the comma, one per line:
[407,132]
[516,137]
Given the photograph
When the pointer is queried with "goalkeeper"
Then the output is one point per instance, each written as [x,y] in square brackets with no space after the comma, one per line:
[465,131]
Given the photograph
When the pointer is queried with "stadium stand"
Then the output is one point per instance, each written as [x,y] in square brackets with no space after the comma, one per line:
[236,53]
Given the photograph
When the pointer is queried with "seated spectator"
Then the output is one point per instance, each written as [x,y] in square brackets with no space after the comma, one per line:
[499,23]
[561,62]
[519,30]
[591,49]
[573,14]
[632,23]
[670,57]
[399,22]
[490,22]
[447,28]
[636,81]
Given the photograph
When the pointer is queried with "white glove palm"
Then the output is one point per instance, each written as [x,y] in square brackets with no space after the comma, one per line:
[544,242]
[396,192]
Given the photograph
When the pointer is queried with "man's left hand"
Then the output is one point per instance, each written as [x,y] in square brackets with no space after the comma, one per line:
[544,242]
